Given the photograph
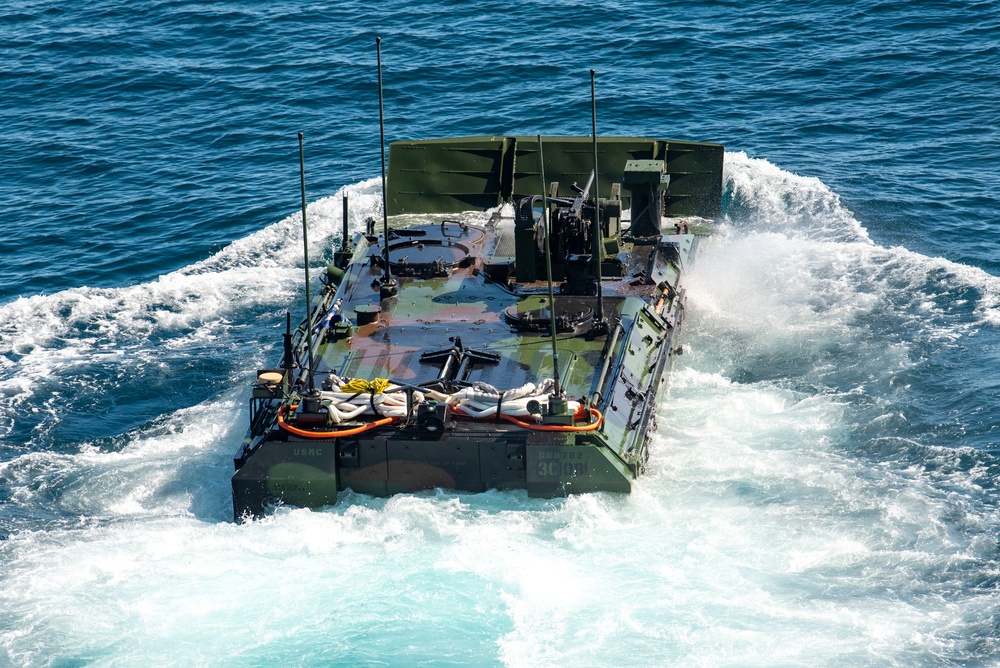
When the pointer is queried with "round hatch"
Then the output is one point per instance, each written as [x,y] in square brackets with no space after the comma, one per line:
[432,250]
[534,315]
[367,313]
[426,257]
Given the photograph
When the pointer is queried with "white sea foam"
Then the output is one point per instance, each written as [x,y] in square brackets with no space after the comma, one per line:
[767,197]
[792,245]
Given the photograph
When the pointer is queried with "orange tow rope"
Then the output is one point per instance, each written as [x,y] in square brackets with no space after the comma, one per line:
[332,434]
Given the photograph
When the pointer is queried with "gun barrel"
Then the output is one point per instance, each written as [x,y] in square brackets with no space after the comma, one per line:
[582,195]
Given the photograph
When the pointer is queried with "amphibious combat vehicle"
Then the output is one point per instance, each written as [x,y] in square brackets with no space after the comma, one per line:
[509,326]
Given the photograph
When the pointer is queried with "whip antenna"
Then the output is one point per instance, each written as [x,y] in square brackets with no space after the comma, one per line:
[388,284]
[305,253]
[600,324]
[548,269]
[344,239]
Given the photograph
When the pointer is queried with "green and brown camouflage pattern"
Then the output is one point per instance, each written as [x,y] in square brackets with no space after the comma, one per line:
[472,307]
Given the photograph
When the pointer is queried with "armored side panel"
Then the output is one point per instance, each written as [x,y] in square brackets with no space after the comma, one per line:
[695,172]
[476,173]
[300,473]
[448,175]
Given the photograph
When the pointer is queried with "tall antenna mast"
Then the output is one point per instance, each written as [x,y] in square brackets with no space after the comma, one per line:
[342,257]
[600,323]
[305,252]
[388,284]
[345,242]
[548,269]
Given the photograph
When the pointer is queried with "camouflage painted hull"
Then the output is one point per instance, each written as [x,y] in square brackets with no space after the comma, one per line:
[446,380]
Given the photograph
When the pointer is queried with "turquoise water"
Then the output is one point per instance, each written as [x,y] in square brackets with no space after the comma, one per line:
[822,489]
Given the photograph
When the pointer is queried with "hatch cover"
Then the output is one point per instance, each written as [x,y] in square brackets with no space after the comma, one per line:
[534,315]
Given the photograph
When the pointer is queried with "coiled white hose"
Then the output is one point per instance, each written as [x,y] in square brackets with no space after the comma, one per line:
[479,401]
[482,400]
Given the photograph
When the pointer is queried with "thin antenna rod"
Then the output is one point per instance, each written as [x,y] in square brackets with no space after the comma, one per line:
[596,230]
[548,269]
[305,253]
[387,282]
[344,244]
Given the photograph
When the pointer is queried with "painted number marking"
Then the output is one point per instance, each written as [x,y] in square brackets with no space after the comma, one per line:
[561,464]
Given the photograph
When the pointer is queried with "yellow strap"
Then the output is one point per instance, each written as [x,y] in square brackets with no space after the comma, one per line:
[377,386]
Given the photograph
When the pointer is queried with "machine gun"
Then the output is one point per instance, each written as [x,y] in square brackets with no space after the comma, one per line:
[575,225]
[571,243]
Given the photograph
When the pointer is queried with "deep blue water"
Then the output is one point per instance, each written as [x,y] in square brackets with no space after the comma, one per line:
[823,486]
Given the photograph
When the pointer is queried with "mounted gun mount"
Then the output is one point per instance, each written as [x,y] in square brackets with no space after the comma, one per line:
[571,243]
[448,381]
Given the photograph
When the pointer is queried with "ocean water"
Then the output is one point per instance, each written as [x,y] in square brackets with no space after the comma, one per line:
[823,484]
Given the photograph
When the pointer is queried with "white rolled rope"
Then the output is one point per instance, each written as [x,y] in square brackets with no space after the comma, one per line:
[346,406]
[479,401]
